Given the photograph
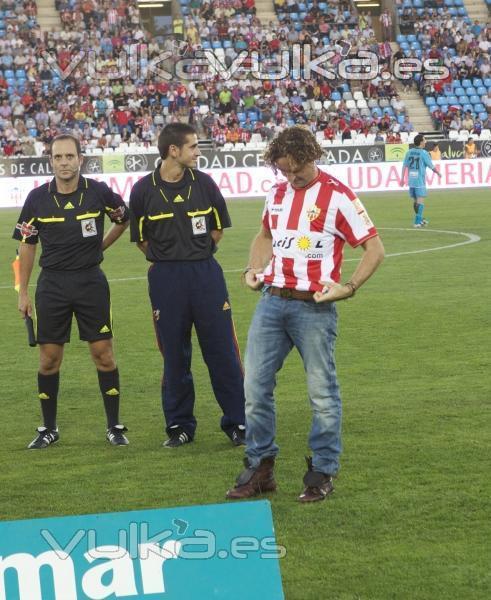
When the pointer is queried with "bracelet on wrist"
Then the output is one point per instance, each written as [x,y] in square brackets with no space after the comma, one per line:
[352,286]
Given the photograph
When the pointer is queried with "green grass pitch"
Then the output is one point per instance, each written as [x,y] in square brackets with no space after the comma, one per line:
[410,518]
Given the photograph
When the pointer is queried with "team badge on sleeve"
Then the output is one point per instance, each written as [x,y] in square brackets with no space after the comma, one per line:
[360,209]
[117,214]
[26,230]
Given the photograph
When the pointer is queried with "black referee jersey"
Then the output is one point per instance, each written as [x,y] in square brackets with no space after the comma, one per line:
[70,226]
[176,219]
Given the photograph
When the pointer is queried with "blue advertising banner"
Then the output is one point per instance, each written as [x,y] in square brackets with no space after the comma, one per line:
[219,551]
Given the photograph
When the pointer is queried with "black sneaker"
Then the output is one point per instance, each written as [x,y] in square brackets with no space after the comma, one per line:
[44,438]
[177,437]
[237,435]
[115,435]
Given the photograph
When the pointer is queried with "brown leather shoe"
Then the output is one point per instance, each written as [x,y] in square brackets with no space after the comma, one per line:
[317,485]
[254,481]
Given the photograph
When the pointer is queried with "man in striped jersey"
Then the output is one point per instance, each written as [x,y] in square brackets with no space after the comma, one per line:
[295,260]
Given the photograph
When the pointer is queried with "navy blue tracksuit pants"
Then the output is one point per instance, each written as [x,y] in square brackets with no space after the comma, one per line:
[183,294]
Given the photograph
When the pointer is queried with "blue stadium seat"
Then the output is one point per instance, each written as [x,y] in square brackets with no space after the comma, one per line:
[477,82]
[430,101]
[467,107]
[481,91]
[483,116]
[487,82]
[459,91]
[376,112]
[335,96]
[479,108]
[452,100]
[474,99]
[33,132]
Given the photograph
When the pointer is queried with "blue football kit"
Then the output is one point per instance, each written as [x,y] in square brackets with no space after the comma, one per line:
[417,160]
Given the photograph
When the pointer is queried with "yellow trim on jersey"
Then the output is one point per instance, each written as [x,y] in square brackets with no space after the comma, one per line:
[217,218]
[140,228]
[161,216]
[88,215]
[51,220]
[153,178]
[192,174]
[200,212]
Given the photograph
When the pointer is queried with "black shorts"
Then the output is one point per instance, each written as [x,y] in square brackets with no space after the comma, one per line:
[62,294]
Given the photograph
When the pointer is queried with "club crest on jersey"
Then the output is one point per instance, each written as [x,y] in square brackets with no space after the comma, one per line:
[199,225]
[26,230]
[88,227]
[313,212]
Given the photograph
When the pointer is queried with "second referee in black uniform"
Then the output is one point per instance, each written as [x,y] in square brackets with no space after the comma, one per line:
[67,216]
[177,218]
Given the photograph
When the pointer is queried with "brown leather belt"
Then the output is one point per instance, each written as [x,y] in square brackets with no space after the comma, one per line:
[289,294]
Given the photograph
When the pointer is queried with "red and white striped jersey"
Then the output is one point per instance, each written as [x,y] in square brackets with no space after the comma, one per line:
[309,227]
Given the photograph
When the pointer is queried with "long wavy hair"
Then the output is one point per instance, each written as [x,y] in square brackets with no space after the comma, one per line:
[296,143]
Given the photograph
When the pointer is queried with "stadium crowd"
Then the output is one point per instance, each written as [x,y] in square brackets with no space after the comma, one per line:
[37,101]
[92,88]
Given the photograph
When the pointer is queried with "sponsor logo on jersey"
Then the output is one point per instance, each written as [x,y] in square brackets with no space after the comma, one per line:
[178,198]
[304,243]
[68,205]
[284,243]
[104,329]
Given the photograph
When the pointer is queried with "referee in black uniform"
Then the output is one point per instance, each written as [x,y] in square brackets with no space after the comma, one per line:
[67,216]
[177,217]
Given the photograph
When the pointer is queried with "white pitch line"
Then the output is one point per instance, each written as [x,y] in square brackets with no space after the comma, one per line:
[472,238]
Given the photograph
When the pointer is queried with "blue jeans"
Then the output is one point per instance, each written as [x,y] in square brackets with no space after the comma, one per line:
[277,326]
